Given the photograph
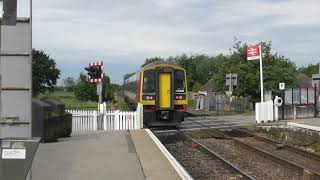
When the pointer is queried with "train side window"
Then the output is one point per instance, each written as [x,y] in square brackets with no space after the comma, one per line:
[179,81]
[148,81]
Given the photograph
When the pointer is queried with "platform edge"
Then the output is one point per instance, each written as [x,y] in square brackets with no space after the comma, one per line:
[315,128]
[175,164]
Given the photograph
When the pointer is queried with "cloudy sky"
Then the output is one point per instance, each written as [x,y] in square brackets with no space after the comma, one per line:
[124,33]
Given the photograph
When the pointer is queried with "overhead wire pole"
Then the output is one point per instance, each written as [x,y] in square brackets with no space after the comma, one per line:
[261,72]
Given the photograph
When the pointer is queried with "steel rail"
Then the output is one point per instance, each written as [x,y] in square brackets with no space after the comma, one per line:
[278,159]
[302,152]
[311,174]
[212,153]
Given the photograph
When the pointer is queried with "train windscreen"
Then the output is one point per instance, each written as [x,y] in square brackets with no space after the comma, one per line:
[179,80]
[148,81]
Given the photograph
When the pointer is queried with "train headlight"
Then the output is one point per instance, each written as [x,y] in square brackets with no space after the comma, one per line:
[180,96]
[148,97]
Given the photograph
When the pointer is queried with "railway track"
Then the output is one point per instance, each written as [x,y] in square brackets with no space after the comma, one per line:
[237,153]
[306,164]
[305,159]
[211,122]
[197,159]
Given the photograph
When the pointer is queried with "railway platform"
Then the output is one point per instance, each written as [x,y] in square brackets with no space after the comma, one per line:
[311,123]
[103,155]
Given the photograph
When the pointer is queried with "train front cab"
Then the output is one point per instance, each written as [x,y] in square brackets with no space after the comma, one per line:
[164,96]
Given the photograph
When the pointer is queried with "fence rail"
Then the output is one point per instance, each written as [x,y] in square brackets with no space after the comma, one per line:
[85,120]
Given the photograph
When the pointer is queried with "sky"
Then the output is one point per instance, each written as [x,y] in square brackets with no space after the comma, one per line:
[124,33]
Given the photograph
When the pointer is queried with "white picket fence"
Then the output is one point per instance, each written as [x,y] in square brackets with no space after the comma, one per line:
[84,120]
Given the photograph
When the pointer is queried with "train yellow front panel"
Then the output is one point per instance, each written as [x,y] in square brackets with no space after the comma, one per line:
[164,90]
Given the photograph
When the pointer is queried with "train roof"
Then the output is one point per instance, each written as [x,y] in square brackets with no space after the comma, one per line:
[150,66]
[160,63]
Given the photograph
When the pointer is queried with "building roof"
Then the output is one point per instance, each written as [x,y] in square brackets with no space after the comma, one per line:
[304,81]
[208,86]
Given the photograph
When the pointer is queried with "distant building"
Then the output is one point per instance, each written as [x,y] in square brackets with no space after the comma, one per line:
[208,87]
[304,81]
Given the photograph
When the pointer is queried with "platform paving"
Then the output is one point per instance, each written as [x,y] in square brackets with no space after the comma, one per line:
[93,156]
[154,163]
[311,123]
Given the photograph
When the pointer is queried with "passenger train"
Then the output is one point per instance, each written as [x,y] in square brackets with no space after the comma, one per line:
[161,87]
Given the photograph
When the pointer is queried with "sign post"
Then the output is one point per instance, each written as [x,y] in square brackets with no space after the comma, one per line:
[282,88]
[255,52]
[99,91]
[261,72]
[231,80]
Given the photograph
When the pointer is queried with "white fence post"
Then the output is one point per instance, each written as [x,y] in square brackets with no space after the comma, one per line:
[132,120]
[95,121]
[105,121]
[120,120]
[139,116]
[116,120]
[104,107]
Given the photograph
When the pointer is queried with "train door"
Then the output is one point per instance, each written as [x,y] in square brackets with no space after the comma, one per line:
[165,90]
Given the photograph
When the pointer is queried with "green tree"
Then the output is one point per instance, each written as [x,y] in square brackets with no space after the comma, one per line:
[85,91]
[116,87]
[126,76]
[189,65]
[44,72]
[276,69]
[310,69]
[69,84]
[200,68]
[151,60]
[108,90]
